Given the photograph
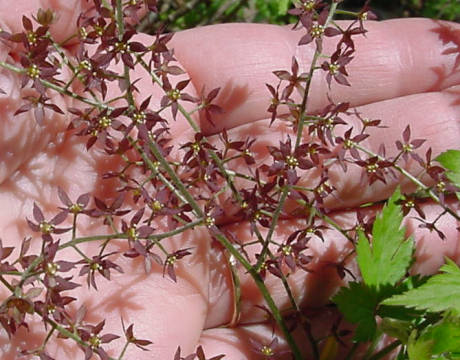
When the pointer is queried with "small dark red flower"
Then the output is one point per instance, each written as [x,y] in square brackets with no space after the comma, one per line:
[47,227]
[91,335]
[98,264]
[129,334]
[173,95]
[171,261]
[335,68]
[407,146]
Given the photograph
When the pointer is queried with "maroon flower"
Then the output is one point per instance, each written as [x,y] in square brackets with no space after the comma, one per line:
[97,264]
[38,104]
[375,168]
[173,95]
[335,69]
[171,261]
[37,70]
[294,78]
[407,146]
[130,338]
[134,231]
[274,102]
[77,207]
[316,29]
[286,160]
[307,8]
[102,209]
[91,335]
[348,144]
[291,252]
[207,108]
[46,228]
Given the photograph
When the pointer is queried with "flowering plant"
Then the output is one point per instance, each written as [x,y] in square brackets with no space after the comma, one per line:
[263,221]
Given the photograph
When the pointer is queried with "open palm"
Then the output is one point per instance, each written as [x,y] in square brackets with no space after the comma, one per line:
[401,75]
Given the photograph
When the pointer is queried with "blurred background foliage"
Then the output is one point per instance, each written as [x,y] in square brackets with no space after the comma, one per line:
[185,14]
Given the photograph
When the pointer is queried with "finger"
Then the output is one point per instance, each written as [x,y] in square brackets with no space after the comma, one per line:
[433,116]
[440,130]
[391,61]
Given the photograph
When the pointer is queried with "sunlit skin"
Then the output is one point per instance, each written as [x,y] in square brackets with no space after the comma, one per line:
[401,74]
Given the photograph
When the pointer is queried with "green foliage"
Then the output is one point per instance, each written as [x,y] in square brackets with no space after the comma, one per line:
[438,339]
[451,161]
[382,265]
[435,9]
[440,293]
[357,303]
[422,313]
[430,337]
[420,350]
[271,11]
[442,9]
[179,15]
[185,14]
[385,261]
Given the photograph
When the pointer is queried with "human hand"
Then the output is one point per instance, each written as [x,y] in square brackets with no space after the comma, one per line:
[392,78]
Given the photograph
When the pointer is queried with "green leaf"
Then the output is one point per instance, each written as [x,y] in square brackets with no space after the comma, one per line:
[440,293]
[441,339]
[445,335]
[386,260]
[419,349]
[283,6]
[357,303]
[450,159]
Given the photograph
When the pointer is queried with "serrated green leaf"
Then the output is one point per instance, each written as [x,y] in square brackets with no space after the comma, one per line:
[357,303]
[386,260]
[450,159]
[440,293]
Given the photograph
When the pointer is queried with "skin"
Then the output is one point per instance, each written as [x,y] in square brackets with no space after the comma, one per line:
[400,75]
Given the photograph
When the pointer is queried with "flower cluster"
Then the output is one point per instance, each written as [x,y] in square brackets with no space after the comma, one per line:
[163,188]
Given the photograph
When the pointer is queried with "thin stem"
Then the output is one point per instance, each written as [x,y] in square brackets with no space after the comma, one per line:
[176,231]
[346,12]
[123,351]
[175,179]
[306,95]
[274,223]
[7,284]
[121,32]
[59,89]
